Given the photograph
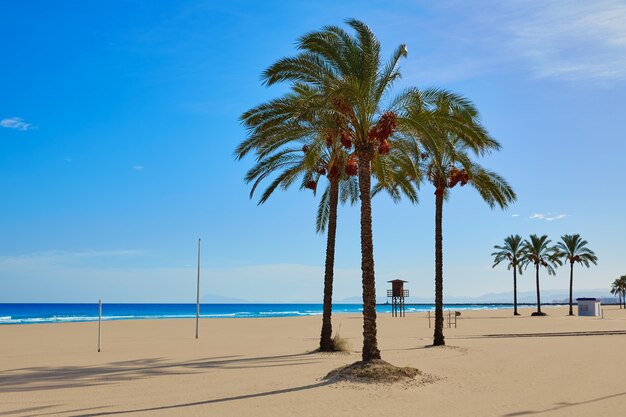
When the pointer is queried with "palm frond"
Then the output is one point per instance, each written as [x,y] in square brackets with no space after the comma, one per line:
[323,211]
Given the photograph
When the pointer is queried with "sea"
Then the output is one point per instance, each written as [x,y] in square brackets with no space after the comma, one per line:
[13,313]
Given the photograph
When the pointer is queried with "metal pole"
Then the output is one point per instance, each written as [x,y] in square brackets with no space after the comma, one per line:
[198,294]
[99,321]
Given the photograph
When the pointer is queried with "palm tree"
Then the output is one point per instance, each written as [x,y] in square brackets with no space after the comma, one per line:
[622,287]
[442,131]
[619,287]
[572,249]
[616,290]
[349,71]
[538,252]
[511,252]
[293,137]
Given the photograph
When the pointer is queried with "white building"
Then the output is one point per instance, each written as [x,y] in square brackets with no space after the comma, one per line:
[589,307]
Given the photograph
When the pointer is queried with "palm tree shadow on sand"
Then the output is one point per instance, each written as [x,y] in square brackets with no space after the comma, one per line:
[62,377]
[207,402]
[563,405]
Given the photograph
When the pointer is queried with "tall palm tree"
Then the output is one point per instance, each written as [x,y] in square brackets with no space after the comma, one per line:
[511,252]
[538,252]
[619,287]
[622,287]
[442,132]
[573,249]
[293,137]
[616,290]
[349,70]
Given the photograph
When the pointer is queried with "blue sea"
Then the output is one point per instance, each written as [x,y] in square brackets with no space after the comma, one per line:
[57,313]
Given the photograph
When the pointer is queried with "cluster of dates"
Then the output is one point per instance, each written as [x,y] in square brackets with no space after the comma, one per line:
[457,176]
[379,135]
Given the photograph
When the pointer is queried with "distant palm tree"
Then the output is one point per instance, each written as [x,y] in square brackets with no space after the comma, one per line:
[619,288]
[442,132]
[572,249]
[352,81]
[538,252]
[511,252]
[615,290]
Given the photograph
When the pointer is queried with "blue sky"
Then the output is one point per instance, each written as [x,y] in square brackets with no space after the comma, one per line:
[118,121]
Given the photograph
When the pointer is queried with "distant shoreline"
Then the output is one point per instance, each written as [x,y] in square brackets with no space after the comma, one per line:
[33,313]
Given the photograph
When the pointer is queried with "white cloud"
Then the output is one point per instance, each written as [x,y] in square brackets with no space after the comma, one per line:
[572,39]
[557,217]
[138,167]
[566,39]
[515,215]
[62,257]
[16,123]
[548,217]
[119,276]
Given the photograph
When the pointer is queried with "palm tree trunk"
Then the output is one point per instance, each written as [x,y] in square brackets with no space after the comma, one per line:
[571,286]
[515,313]
[326,342]
[538,295]
[438,339]
[370,342]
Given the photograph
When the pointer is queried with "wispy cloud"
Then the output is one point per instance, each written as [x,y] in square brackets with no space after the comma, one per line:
[64,257]
[548,217]
[16,123]
[515,215]
[116,276]
[567,40]
[572,39]
[138,167]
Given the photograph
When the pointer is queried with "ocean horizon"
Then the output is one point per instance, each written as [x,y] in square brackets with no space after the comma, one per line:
[32,313]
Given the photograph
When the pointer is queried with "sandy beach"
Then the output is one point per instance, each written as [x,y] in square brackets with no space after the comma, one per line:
[494,365]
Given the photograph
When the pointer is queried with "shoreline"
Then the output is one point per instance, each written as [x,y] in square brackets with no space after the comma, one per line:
[35,313]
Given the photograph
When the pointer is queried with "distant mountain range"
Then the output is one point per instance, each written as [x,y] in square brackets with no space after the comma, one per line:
[547,296]
[218,299]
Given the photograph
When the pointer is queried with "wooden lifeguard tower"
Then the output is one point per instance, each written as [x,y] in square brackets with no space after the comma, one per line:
[397,293]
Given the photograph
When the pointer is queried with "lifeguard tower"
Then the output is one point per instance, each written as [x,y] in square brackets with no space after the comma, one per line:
[397,293]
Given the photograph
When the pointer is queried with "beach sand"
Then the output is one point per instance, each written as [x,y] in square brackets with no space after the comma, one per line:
[494,365]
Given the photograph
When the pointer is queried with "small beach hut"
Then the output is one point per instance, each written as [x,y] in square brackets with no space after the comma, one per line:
[589,307]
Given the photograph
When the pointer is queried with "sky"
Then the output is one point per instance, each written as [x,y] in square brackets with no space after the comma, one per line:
[118,122]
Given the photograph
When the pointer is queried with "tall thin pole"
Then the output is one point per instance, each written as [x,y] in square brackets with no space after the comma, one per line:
[198,293]
[99,321]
